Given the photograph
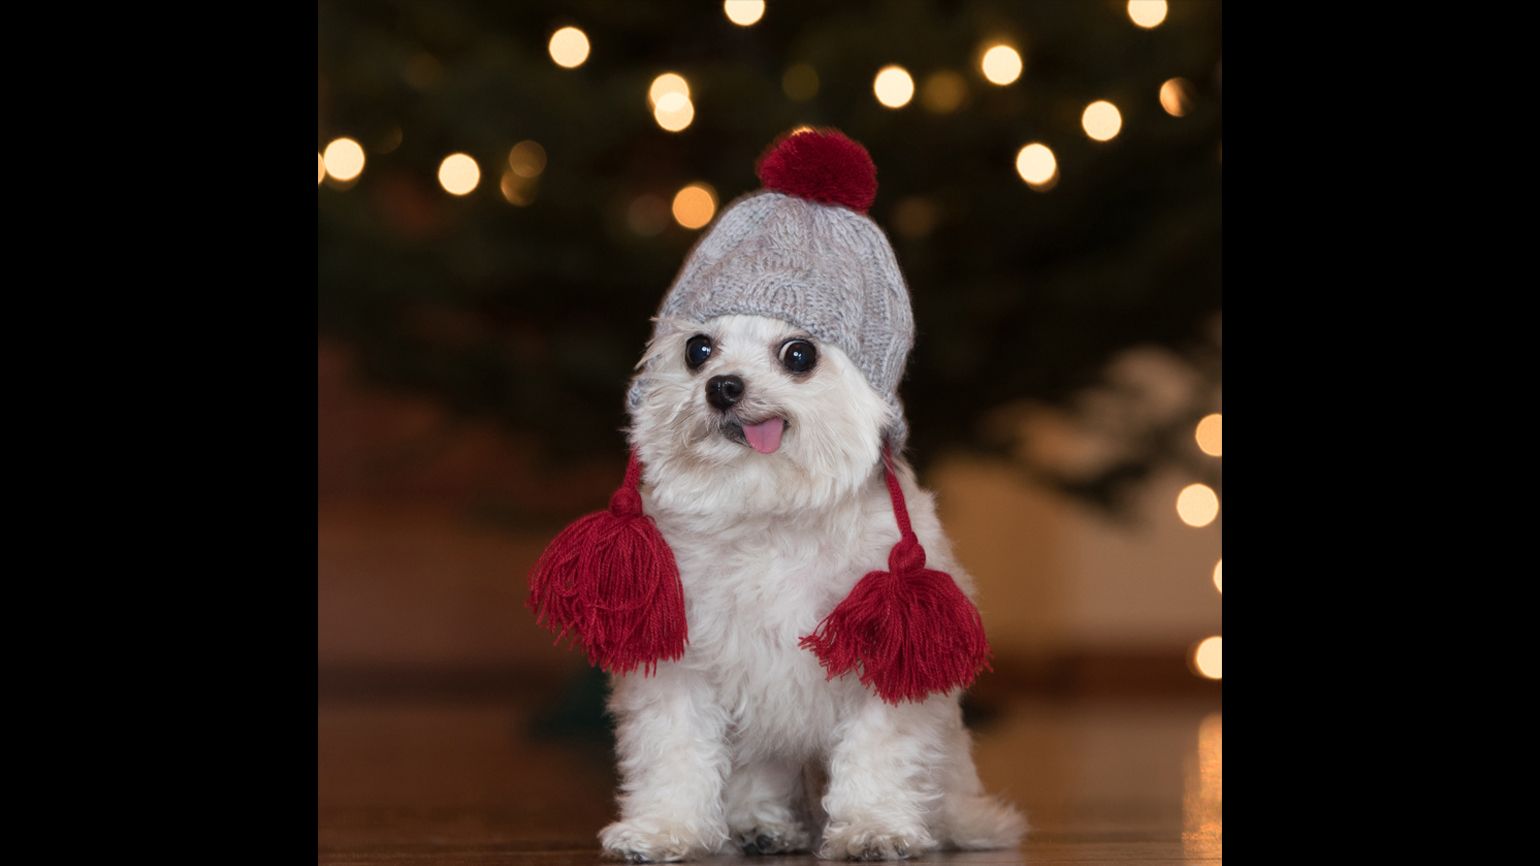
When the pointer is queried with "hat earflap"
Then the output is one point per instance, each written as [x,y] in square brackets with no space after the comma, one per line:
[611,581]
[910,630]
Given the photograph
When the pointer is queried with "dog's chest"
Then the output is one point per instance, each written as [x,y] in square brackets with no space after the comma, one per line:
[750,597]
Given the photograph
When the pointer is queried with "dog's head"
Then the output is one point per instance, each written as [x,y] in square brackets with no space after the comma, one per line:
[747,414]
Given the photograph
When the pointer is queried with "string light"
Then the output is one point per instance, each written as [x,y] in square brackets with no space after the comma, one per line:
[668,82]
[527,159]
[1001,64]
[695,205]
[1218,582]
[320,164]
[518,190]
[1176,96]
[1208,435]
[458,174]
[893,86]
[344,159]
[1037,166]
[1207,657]
[1197,505]
[674,111]
[1101,120]
[943,91]
[744,13]
[1147,13]
[800,82]
[569,47]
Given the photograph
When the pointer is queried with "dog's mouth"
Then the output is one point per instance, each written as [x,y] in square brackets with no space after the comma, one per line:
[763,436]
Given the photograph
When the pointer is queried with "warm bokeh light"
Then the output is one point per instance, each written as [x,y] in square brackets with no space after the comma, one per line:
[647,215]
[943,91]
[695,205]
[527,159]
[1176,96]
[1147,13]
[800,82]
[458,174]
[1101,120]
[1218,576]
[893,86]
[344,159]
[1207,656]
[1208,435]
[1197,505]
[569,47]
[668,82]
[320,167]
[1001,64]
[517,189]
[916,216]
[1036,165]
[744,13]
[674,111]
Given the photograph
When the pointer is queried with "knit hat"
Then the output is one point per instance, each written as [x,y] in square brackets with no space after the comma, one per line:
[802,250]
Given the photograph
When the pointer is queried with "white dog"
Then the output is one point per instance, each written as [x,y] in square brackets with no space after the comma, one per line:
[775,689]
[764,472]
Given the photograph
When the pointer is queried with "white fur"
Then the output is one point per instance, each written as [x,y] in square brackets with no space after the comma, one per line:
[744,740]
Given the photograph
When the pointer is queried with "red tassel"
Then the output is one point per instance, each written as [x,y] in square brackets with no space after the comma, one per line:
[610,580]
[910,630]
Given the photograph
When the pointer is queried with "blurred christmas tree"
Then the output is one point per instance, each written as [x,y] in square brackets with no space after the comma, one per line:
[527,300]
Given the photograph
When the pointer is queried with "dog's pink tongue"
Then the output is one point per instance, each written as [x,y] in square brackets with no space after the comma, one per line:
[766,436]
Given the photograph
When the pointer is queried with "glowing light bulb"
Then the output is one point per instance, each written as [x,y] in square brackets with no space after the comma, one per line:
[1101,120]
[893,86]
[569,47]
[1218,581]
[674,111]
[1197,505]
[1208,435]
[668,82]
[744,13]
[458,174]
[320,165]
[518,190]
[1147,13]
[1037,166]
[527,159]
[1176,96]
[695,205]
[1207,657]
[344,159]
[1001,64]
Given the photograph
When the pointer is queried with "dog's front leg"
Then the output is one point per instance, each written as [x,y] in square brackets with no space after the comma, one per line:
[882,781]
[671,740]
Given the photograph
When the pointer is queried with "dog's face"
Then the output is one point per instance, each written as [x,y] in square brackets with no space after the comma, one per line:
[746,414]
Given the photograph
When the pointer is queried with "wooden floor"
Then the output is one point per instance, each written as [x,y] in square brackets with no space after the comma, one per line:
[465,780]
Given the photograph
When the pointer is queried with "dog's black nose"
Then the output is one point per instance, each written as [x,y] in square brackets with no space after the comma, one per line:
[723,391]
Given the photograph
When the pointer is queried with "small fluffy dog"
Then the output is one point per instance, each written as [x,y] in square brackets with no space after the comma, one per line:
[766,434]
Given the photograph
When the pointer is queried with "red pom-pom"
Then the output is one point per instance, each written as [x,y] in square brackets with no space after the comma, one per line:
[910,630]
[823,166]
[610,580]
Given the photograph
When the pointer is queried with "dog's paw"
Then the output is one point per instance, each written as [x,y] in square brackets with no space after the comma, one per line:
[651,841]
[774,839]
[869,841]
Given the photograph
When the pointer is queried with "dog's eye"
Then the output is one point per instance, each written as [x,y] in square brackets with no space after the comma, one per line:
[798,356]
[697,350]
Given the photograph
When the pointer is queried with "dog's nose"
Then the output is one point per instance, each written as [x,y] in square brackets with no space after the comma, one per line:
[723,391]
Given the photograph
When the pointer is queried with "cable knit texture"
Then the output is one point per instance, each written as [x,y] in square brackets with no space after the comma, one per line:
[820,267]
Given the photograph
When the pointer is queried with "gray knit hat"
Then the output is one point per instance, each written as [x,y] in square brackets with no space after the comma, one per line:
[804,251]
